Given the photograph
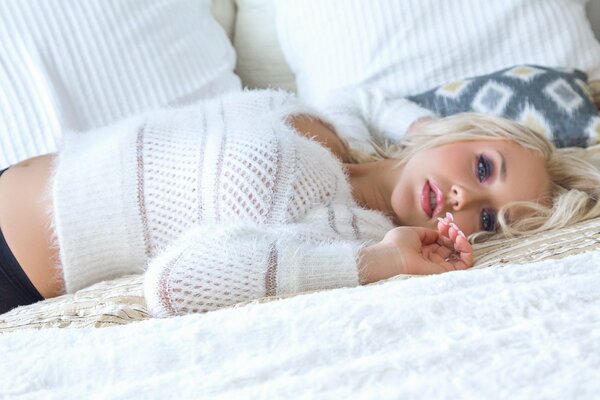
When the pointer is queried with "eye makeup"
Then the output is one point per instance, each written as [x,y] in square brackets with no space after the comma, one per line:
[488,220]
[484,168]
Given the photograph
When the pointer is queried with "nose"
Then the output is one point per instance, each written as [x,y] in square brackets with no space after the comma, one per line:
[460,198]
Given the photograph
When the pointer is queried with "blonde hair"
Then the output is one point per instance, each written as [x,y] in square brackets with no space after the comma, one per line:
[574,172]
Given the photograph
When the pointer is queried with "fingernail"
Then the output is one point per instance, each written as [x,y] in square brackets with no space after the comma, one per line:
[449,216]
[452,224]
[462,234]
[443,221]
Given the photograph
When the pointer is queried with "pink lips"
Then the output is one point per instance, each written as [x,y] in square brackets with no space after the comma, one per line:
[439,199]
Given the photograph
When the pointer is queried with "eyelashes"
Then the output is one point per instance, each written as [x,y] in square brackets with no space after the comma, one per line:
[484,168]
[488,220]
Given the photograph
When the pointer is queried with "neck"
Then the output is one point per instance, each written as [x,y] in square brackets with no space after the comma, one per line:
[372,184]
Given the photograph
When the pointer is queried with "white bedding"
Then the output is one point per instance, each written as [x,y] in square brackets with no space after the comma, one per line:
[520,331]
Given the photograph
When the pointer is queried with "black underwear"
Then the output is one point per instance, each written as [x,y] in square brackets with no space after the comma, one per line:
[15,287]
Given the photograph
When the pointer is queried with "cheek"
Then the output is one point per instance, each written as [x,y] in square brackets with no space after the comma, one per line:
[401,203]
[467,222]
[445,164]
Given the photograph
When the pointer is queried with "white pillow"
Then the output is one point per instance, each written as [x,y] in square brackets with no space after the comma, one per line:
[82,64]
[224,12]
[409,46]
[260,61]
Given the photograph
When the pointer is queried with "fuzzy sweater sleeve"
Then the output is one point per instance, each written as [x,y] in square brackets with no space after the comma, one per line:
[211,267]
[362,114]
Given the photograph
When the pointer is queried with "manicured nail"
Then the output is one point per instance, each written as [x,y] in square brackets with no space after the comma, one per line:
[462,234]
[449,216]
[443,221]
[452,224]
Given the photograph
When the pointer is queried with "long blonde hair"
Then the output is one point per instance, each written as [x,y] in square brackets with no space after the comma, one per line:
[574,172]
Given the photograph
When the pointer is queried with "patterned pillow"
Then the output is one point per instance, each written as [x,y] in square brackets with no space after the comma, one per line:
[556,102]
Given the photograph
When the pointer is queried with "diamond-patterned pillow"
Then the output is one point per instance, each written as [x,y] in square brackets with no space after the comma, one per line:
[554,101]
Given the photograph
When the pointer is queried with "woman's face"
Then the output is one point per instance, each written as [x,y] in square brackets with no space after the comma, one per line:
[470,179]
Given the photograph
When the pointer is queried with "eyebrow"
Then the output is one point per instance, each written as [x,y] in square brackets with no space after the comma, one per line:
[502,166]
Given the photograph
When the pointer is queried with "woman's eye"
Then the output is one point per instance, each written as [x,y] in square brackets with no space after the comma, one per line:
[484,168]
[488,220]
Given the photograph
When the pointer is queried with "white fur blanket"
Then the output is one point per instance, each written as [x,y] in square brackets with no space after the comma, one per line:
[519,332]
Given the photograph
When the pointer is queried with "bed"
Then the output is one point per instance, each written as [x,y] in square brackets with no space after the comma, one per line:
[523,323]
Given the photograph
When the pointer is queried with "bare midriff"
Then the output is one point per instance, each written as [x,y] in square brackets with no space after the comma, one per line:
[26,222]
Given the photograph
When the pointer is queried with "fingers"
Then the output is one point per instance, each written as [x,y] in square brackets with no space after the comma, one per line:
[453,231]
[465,249]
[431,248]
[452,237]
[444,256]
[441,261]
[436,248]
[443,226]
[437,253]
[435,264]
[427,236]
[446,249]
[445,241]
[444,252]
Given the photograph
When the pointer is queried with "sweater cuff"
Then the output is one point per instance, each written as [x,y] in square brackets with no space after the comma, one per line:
[310,267]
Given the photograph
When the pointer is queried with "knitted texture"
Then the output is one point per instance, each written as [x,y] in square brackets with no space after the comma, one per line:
[125,193]
[214,266]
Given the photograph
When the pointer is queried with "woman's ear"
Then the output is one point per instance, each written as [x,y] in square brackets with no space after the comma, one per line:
[418,124]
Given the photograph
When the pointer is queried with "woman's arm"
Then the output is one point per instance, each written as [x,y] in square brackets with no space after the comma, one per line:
[213,267]
[361,114]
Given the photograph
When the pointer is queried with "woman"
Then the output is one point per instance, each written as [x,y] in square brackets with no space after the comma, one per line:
[231,200]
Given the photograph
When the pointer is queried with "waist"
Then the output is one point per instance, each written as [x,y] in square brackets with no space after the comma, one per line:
[26,221]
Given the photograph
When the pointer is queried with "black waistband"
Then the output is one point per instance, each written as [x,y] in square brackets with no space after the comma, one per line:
[15,287]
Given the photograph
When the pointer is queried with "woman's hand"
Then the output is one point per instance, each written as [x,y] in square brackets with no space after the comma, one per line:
[416,251]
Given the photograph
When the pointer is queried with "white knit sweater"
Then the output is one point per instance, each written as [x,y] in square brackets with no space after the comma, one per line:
[224,196]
